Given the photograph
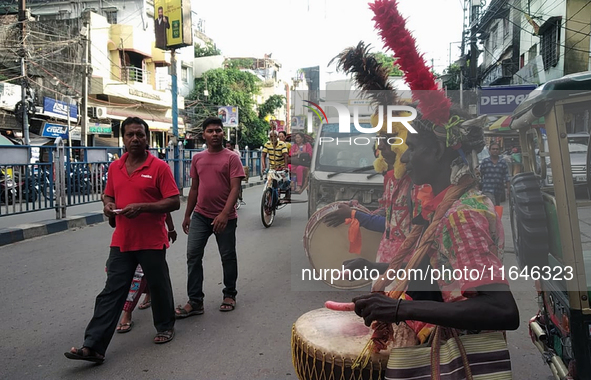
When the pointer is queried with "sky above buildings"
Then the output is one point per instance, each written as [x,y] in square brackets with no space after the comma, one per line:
[303,33]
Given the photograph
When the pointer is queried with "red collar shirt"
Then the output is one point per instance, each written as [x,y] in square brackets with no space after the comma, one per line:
[151,182]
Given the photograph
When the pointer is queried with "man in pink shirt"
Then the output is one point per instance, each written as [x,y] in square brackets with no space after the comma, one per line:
[216,175]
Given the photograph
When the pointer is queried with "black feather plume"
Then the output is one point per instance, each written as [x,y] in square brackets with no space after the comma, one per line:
[370,75]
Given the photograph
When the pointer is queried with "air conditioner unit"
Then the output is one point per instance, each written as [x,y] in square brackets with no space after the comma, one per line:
[101,112]
[97,112]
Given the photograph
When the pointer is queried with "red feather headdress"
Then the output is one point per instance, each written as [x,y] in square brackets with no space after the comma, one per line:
[433,103]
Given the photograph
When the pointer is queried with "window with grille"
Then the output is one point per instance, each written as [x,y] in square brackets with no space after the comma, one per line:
[111,17]
[185,74]
[550,42]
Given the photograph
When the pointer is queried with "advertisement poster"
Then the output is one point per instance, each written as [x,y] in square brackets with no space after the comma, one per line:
[229,116]
[297,122]
[277,125]
[172,24]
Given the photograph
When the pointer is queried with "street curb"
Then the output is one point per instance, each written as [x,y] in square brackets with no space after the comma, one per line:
[46,227]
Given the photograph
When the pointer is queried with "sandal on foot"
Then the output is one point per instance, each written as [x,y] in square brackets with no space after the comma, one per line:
[79,355]
[196,309]
[228,306]
[122,330]
[168,335]
[145,305]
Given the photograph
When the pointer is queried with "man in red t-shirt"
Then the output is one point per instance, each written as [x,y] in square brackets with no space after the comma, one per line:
[216,175]
[139,193]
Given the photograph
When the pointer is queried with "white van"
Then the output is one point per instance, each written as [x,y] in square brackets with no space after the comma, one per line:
[342,170]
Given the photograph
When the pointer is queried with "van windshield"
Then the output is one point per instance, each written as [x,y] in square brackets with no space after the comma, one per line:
[339,152]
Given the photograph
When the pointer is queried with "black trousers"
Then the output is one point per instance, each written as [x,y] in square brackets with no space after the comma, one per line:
[109,303]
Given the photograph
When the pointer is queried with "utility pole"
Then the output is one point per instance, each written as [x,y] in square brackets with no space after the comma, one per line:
[84,105]
[22,18]
[175,119]
[69,100]
[474,18]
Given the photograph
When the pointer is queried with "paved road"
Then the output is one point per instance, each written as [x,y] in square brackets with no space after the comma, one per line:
[48,287]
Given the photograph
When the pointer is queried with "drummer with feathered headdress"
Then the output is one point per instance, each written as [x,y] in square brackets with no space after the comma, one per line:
[399,200]
[456,230]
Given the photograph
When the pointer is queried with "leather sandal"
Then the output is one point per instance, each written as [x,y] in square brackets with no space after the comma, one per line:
[79,355]
[228,306]
[168,335]
[196,309]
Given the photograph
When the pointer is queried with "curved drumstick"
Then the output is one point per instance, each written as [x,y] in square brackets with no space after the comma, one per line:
[340,306]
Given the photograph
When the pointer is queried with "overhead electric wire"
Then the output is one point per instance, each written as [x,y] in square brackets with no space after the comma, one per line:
[535,35]
[497,60]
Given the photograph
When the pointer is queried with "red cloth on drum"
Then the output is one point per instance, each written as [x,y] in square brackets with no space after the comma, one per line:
[354,234]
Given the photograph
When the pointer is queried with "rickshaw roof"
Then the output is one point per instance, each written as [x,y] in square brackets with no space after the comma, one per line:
[545,95]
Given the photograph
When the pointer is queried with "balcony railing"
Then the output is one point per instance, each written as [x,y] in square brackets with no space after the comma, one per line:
[134,74]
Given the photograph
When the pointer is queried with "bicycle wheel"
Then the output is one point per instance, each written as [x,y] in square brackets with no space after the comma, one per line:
[267,208]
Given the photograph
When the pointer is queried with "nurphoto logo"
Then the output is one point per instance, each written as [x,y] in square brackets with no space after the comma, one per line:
[344,115]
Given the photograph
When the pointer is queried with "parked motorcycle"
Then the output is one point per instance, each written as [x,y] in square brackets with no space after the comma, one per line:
[18,187]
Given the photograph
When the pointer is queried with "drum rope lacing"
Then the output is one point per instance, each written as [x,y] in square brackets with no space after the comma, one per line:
[302,351]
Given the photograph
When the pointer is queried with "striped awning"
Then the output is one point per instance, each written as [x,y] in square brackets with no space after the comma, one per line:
[502,124]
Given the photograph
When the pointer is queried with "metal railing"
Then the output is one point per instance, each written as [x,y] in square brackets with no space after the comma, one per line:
[135,74]
[34,186]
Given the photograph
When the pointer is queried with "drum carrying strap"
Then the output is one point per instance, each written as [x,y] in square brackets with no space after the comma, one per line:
[410,203]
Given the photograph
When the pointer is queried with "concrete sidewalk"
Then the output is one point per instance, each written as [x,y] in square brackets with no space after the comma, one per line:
[15,228]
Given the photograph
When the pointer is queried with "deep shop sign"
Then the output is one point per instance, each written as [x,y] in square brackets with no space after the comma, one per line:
[502,100]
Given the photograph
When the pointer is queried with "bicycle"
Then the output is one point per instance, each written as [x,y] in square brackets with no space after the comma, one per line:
[271,200]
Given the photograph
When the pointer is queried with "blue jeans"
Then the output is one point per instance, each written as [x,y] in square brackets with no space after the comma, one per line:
[200,230]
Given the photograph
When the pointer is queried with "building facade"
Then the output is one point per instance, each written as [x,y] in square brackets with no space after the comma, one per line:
[127,75]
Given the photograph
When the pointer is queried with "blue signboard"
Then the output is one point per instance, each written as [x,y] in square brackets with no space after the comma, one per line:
[59,109]
[502,100]
[55,131]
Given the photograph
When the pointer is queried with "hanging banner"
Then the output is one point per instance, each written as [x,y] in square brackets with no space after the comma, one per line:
[229,116]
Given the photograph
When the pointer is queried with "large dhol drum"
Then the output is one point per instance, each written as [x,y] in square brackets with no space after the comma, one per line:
[327,247]
[325,343]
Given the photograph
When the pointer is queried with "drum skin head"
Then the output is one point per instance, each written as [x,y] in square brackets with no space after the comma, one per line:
[340,336]
[328,247]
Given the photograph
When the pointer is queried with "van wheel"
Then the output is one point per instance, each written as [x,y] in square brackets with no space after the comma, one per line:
[528,221]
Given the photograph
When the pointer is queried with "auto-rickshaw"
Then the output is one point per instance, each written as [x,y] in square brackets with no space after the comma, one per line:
[551,220]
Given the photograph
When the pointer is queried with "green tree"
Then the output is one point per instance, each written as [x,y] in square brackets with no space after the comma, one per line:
[272,104]
[230,87]
[239,63]
[206,51]
[389,61]
[453,80]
